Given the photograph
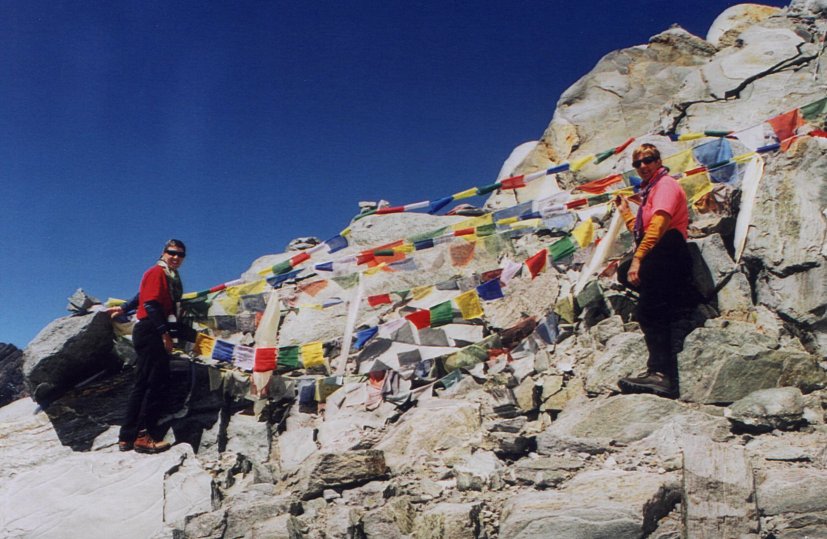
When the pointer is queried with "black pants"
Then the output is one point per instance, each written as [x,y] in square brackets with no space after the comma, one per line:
[667,298]
[143,408]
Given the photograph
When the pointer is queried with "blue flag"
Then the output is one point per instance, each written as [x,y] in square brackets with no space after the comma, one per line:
[336,243]
[490,290]
[364,336]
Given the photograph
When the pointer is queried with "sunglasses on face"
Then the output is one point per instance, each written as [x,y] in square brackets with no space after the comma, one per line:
[170,252]
[646,160]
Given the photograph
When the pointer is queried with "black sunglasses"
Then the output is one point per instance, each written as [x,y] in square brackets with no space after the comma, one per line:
[647,160]
[170,252]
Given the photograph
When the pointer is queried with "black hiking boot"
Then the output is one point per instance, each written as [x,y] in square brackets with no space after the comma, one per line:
[649,382]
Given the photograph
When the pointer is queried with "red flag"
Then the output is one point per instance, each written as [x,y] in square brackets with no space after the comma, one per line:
[537,262]
[390,209]
[597,187]
[577,203]
[380,299]
[265,359]
[298,259]
[421,318]
[515,182]
[785,126]
[624,145]
[464,231]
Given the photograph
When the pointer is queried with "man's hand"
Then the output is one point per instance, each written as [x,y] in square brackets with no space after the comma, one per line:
[114,312]
[634,272]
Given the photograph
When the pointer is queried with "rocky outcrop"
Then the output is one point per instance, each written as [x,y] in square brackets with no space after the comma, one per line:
[12,386]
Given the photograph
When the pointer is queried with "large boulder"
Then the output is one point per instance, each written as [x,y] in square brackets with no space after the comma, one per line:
[326,470]
[726,361]
[768,409]
[791,501]
[606,503]
[66,352]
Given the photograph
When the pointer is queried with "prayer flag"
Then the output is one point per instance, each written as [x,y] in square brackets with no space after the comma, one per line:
[314,287]
[597,187]
[364,336]
[580,162]
[468,193]
[347,281]
[490,290]
[288,357]
[243,357]
[515,182]
[223,351]
[299,258]
[690,136]
[469,305]
[695,186]
[713,155]
[584,233]
[815,110]
[785,126]
[326,266]
[330,302]
[282,267]
[276,280]
[485,230]
[485,189]
[312,354]
[602,156]
[390,209]
[336,243]
[421,292]
[437,205]
[562,248]
[408,264]
[680,162]
[441,314]
[558,168]
[203,345]
[264,359]
[417,205]
[424,244]
[462,254]
[379,299]
[624,145]
[509,270]
[537,262]
[421,318]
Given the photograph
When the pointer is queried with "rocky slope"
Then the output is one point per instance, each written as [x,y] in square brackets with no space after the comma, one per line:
[523,434]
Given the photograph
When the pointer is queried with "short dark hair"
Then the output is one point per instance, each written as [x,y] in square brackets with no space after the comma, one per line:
[175,243]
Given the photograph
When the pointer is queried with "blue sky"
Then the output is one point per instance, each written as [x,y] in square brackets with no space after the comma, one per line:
[237,126]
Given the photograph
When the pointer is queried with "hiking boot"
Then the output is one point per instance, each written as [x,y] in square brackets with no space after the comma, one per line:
[146,444]
[126,445]
[649,382]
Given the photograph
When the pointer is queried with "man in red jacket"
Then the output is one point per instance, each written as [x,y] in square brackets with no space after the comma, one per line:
[157,300]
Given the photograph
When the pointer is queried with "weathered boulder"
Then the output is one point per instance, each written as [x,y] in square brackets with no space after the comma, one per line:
[732,21]
[337,470]
[66,352]
[604,503]
[480,471]
[543,472]
[449,521]
[768,409]
[724,362]
[625,355]
[97,487]
[436,426]
[791,500]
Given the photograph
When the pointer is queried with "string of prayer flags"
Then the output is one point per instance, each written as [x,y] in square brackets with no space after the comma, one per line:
[336,243]
[264,359]
[602,185]
[537,262]
[562,248]
[438,204]
[490,290]
[420,319]
[441,314]
[312,354]
[288,357]
[584,233]
[203,345]
[244,357]
[580,162]
[469,305]
[223,351]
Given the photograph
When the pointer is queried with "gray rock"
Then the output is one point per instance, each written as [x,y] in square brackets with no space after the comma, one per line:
[594,504]
[552,443]
[625,355]
[606,329]
[253,505]
[624,418]
[449,521]
[12,386]
[66,352]
[543,472]
[480,471]
[295,446]
[250,437]
[768,409]
[792,501]
[722,363]
[395,520]
[338,470]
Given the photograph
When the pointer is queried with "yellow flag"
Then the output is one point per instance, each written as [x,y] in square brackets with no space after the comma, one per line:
[469,304]
[375,269]
[234,293]
[468,193]
[508,220]
[421,292]
[312,354]
[696,186]
[690,136]
[203,345]
[474,222]
[580,162]
[744,157]
[680,162]
[584,233]
[404,248]
[527,223]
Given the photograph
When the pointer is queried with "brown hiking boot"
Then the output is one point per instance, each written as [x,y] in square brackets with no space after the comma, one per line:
[146,444]
[649,382]
[125,445]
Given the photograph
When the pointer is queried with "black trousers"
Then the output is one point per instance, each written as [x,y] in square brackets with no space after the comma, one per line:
[143,408]
[667,299]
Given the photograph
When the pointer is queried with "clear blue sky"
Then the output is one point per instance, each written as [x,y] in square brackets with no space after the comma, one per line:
[237,126]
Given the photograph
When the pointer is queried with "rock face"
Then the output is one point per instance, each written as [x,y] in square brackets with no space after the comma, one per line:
[505,426]
[67,351]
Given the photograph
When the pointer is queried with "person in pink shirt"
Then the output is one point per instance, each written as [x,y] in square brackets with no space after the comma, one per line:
[660,270]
